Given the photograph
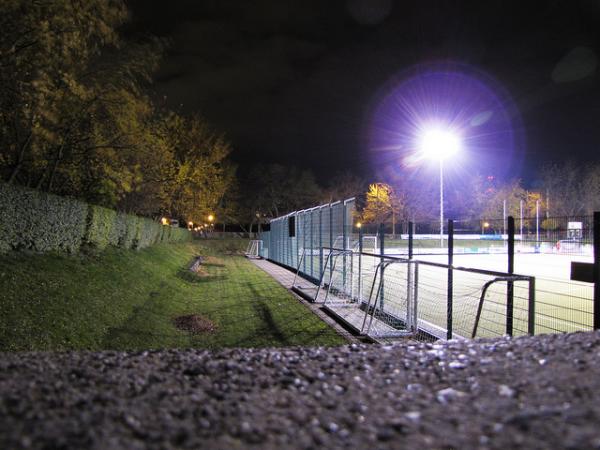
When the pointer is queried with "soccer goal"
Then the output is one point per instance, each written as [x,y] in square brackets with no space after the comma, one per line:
[369,244]
[254,249]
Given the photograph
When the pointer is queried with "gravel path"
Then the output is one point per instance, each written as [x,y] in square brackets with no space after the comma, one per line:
[538,392]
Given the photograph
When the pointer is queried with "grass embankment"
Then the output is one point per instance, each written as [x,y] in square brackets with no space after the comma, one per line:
[121,299]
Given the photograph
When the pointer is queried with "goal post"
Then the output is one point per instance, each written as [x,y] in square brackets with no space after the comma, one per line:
[369,244]
[254,249]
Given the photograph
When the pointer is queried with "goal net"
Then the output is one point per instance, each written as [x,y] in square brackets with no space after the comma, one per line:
[254,249]
[369,244]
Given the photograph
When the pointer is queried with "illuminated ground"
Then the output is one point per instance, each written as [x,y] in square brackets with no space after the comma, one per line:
[561,305]
[535,392]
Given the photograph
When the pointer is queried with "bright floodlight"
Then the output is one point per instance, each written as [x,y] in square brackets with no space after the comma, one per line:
[439,144]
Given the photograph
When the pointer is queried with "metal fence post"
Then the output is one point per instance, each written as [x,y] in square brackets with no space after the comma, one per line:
[320,241]
[330,241]
[344,235]
[312,243]
[271,256]
[596,270]
[304,234]
[537,225]
[297,234]
[511,270]
[450,278]
[410,239]
[360,250]
[381,269]
[531,308]
[411,321]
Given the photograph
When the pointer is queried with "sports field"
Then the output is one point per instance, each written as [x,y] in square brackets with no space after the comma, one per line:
[561,305]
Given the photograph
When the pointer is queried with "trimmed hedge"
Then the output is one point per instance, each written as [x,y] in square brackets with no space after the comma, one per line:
[149,233]
[101,227]
[126,226]
[42,222]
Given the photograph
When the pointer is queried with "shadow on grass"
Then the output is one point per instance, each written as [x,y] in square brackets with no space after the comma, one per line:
[264,312]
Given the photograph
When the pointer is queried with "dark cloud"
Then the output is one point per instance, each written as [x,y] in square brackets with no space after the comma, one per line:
[294,81]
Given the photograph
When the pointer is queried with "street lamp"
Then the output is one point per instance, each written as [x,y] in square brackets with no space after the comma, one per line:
[484,227]
[439,144]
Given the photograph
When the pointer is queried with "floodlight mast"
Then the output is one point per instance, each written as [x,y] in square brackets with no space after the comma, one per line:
[441,202]
[439,144]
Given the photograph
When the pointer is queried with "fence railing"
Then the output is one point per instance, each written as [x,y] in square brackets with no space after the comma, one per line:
[386,296]
[476,279]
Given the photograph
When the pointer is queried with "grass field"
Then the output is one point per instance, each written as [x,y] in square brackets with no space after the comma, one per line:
[561,305]
[122,299]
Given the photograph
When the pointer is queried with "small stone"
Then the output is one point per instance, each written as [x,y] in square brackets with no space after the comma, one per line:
[456,365]
[414,416]
[448,394]
[506,391]
[245,427]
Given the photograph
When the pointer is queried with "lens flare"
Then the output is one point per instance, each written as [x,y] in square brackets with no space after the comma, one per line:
[438,143]
[438,109]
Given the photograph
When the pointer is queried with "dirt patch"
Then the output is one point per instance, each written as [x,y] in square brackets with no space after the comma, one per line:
[201,263]
[195,324]
[200,271]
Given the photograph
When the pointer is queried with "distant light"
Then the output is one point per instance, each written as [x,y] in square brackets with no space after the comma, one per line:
[164,221]
[358,225]
[439,143]
[486,224]
[211,217]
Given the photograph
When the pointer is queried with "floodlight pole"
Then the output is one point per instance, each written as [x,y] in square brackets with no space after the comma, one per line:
[441,202]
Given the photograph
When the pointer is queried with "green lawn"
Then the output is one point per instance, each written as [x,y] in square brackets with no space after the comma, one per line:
[435,243]
[122,299]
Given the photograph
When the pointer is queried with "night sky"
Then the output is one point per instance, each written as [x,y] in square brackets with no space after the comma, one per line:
[296,82]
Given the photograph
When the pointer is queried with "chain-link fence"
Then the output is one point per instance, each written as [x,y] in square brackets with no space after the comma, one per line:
[297,240]
[481,278]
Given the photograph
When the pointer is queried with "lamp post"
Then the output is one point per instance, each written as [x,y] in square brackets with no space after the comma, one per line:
[484,227]
[438,144]
[211,219]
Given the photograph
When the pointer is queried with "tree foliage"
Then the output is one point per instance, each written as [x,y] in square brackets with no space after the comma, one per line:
[75,117]
[382,204]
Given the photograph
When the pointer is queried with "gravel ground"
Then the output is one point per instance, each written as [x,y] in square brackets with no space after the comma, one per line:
[538,392]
